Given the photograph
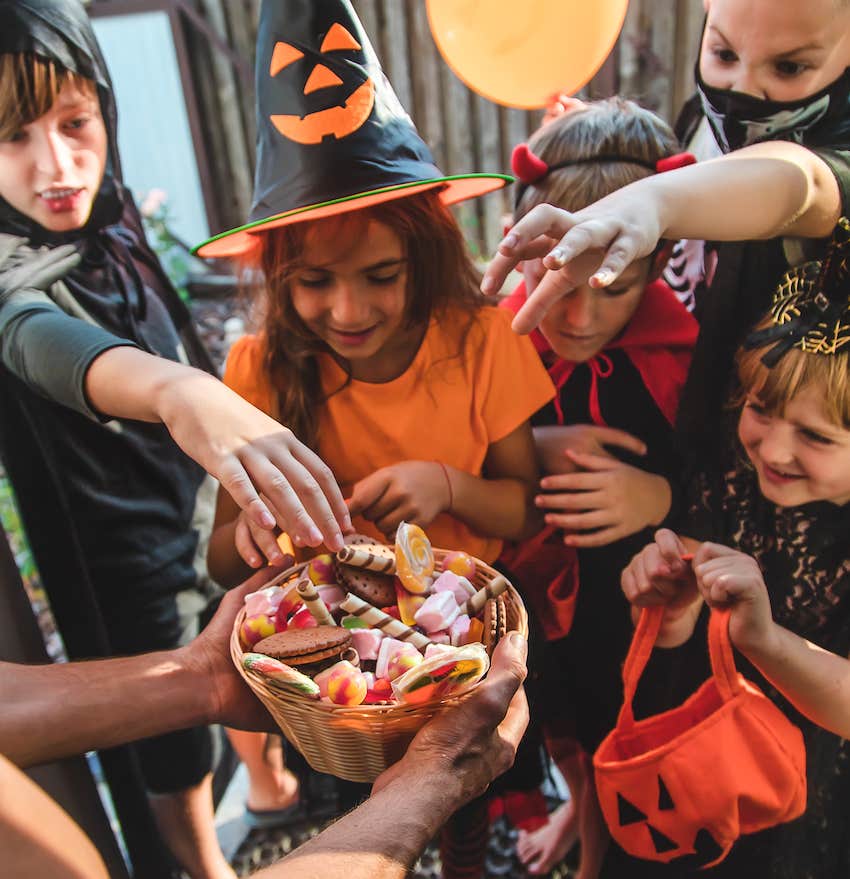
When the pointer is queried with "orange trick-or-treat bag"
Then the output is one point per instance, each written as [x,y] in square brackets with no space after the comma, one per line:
[687,783]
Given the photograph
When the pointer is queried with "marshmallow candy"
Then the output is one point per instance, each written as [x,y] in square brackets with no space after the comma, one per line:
[459,631]
[460,587]
[367,642]
[438,612]
[436,649]
[264,601]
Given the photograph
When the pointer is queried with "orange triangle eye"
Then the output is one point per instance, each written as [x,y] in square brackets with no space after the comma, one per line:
[283,55]
[338,38]
[321,78]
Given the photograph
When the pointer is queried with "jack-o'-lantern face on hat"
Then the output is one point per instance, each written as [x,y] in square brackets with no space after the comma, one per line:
[332,135]
[344,110]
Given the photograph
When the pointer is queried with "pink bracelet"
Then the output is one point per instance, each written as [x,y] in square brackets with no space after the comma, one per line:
[449,482]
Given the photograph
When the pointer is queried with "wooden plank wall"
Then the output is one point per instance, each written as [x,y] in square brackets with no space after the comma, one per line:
[652,63]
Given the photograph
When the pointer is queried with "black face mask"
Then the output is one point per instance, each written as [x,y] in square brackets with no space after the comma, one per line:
[738,120]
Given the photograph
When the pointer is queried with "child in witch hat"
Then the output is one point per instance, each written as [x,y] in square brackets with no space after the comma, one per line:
[376,347]
[619,358]
[778,556]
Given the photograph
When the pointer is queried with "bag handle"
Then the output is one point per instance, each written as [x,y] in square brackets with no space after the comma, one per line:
[646,632]
[722,659]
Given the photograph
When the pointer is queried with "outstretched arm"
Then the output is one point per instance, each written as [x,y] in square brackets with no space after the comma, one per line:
[80,706]
[247,451]
[762,191]
[452,759]
[66,357]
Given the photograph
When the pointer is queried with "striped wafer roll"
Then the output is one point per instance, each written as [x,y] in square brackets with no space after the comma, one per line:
[313,602]
[366,557]
[475,604]
[377,619]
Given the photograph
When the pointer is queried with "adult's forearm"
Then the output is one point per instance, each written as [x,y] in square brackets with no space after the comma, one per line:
[759,192]
[382,838]
[55,711]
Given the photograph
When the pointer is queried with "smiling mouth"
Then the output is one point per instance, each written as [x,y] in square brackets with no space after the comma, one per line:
[775,475]
[353,335]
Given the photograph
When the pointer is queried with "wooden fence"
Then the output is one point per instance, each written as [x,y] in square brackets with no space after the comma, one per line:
[652,63]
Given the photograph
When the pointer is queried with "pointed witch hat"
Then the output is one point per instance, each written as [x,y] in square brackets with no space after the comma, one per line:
[811,305]
[331,134]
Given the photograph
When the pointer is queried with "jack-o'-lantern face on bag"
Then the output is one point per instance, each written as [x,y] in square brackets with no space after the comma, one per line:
[330,79]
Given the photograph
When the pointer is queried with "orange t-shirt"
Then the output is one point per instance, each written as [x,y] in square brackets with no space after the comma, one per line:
[457,397]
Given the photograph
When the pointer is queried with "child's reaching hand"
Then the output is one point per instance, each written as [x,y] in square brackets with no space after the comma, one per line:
[619,228]
[412,491]
[256,545]
[728,578]
[604,501]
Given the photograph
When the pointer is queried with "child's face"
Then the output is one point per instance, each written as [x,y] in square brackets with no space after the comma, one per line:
[351,292]
[799,456]
[581,324]
[783,50]
[52,168]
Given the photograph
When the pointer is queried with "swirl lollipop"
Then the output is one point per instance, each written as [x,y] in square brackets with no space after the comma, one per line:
[414,558]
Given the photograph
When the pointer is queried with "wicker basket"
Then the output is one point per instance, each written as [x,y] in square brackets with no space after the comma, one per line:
[356,743]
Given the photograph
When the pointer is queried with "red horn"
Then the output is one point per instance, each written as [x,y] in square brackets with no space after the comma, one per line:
[526,166]
[671,163]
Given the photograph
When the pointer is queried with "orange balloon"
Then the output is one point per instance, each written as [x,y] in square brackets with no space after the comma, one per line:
[522,52]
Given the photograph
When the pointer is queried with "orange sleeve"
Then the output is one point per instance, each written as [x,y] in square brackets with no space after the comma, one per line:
[514,381]
[244,373]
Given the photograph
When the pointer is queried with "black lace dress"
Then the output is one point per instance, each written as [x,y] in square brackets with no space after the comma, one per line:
[804,553]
